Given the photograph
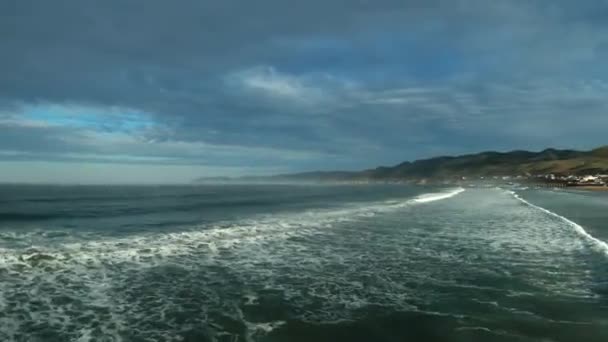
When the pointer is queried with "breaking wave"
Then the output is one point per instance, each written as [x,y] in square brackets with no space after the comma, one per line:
[87,286]
[600,245]
[438,196]
[150,247]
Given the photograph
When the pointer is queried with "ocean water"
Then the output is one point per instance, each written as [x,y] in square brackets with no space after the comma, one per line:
[302,263]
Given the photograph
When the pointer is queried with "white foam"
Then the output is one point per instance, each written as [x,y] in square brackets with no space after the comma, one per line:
[437,196]
[85,336]
[89,264]
[600,245]
[265,328]
[310,259]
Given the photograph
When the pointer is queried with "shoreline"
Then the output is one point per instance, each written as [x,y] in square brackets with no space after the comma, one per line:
[588,188]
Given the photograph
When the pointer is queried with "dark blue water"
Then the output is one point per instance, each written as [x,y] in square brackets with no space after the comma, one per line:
[302,263]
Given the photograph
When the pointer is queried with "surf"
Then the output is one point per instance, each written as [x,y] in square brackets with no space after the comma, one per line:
[599,244]
[154,248]
[432,197]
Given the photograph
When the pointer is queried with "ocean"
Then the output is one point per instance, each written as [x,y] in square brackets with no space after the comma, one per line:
[302,263]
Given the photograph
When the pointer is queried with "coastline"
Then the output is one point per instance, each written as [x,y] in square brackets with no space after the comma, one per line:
[588,188]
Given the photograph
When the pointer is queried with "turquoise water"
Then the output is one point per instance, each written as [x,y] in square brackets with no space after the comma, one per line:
[302,263]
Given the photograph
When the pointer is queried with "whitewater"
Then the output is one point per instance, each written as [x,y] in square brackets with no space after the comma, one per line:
[601,245]
[295,263]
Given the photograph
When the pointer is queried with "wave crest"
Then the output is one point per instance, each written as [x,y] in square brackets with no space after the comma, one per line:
[600,245]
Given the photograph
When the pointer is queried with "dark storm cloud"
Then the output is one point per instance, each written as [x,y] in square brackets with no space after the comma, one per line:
[351,82]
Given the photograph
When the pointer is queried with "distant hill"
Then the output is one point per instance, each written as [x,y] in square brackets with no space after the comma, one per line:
[471,165]
[500,164]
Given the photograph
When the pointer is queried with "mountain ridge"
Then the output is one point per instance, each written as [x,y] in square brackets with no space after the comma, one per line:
[483,164]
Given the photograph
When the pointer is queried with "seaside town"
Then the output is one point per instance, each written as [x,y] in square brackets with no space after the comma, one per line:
[588,182]
[598,180]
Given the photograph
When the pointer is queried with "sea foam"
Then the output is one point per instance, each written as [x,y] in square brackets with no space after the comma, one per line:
[438,196]
[107,277]
[600,245]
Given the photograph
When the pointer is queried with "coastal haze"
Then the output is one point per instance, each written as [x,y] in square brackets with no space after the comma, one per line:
[232,171]
[548,167]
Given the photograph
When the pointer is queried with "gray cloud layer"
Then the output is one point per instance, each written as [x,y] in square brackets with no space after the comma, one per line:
[309,83]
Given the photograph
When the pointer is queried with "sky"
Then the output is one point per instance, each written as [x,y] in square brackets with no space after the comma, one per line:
[154,91]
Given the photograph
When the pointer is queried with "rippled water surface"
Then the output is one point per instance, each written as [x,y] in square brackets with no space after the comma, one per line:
[302,263]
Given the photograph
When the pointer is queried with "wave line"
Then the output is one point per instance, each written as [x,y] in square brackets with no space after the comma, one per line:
[437,196]
[603,246]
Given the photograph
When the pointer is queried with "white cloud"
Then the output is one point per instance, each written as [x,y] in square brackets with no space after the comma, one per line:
[270,81]
[288,90]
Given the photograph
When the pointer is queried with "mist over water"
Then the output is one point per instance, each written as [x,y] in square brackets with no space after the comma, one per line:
[301,263]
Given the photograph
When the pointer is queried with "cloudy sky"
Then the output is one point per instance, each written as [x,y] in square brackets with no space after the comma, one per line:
[166,91]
